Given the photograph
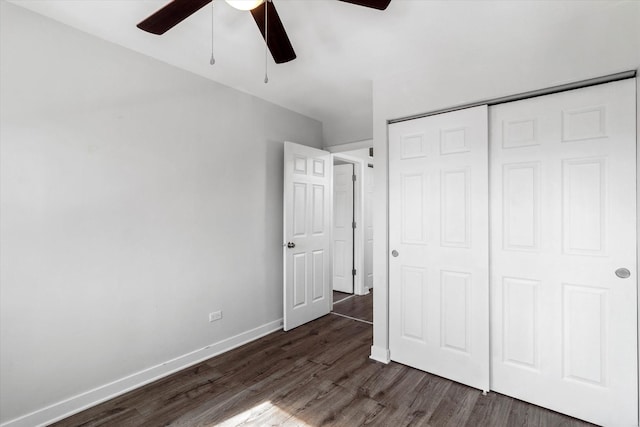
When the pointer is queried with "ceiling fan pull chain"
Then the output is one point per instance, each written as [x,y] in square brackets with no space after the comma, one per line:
[212,60]
[266,43]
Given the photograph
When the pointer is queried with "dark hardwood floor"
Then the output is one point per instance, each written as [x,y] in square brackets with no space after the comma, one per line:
[360,307]
[318,374]
[340,296]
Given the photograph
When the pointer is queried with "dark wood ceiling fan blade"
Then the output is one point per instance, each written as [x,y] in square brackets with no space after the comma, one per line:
[278,43]
[171,15]
[374,4]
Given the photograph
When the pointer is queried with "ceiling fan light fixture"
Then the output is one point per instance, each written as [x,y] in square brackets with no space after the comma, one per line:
[245,4]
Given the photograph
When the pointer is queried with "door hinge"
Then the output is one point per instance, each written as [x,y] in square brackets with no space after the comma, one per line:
[353,272]
[353,178]
[353,224]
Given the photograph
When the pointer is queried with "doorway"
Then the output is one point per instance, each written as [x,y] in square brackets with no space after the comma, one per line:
[307,232]
[344,224]
[352,240]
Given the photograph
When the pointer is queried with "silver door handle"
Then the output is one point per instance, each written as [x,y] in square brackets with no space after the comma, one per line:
[291,245]
[623,273]
[394,253]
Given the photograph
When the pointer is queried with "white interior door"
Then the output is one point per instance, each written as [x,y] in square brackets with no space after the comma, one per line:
[307,234]
[438,235]
[343,228]
[563,221]
[368,227]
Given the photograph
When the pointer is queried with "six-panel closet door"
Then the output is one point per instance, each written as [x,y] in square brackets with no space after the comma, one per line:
[561,205]
[438,238]
[563,228]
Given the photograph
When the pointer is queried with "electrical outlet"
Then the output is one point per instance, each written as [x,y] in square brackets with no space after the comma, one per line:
[216,315]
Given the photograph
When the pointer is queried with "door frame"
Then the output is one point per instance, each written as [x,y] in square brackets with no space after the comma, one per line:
[380,346]
[347,210]
[638,223]
[359,287]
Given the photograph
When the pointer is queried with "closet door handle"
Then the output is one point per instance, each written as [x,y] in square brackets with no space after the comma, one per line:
[623,273]
[394,253]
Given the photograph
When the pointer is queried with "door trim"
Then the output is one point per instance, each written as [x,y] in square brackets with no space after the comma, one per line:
[638,226]
[359,287]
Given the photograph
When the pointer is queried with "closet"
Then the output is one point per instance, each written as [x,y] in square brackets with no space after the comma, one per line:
[512,239]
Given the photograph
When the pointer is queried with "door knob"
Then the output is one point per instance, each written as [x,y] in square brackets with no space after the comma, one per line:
[291,245]
[623,273]
[394,253]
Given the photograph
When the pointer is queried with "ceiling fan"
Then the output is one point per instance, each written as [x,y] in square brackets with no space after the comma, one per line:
[278,41]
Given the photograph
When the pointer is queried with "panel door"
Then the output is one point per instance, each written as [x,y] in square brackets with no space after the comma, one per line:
[438,235]
[343,228]
[307,234]
[563,203]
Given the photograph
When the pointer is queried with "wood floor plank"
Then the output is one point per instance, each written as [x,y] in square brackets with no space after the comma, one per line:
[455,407]
[353,370]
[211,396]
[523,414]
[351,339]
[400,416]
[164,397]
[264,414]
[405,388]
[360,411]
[493,408]
[328,404]
[376,386]
[111,417]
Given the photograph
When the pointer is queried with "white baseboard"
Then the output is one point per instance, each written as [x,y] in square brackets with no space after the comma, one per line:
[380,354]
[362,292]
[80,402]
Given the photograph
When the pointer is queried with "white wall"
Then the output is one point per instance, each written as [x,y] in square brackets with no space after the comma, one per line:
[355,126]
[561,52]
[135,199]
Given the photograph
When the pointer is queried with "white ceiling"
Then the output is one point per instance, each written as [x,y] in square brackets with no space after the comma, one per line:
[341,48]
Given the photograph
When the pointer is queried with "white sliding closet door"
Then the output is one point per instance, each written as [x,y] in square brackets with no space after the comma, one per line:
[563,206]
[438,232]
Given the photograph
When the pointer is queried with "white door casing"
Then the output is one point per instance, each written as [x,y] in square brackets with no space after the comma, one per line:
[343,204]
[307,225]
[563,203]
[368,227]
[438,224]
[359,165]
